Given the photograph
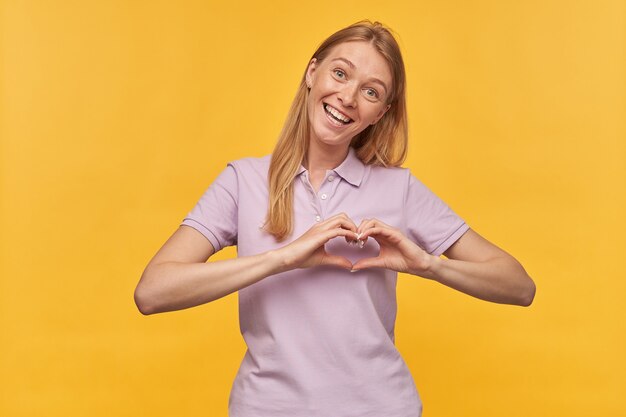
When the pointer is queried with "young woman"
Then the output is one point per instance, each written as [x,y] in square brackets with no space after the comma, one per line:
[322,227]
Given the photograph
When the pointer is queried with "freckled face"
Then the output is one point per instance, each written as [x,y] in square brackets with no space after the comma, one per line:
[349,91]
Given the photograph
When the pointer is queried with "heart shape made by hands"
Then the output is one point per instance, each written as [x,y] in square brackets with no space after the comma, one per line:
[338,246]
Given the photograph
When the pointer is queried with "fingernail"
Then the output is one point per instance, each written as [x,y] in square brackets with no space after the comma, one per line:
[354,270]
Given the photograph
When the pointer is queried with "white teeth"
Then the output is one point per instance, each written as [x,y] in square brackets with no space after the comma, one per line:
[335,113]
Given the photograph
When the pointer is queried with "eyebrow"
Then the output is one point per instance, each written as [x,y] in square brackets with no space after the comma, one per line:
[351,65]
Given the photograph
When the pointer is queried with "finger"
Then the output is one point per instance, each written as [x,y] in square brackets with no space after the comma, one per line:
[320,237]
[383,235]
[379,231]
[362,225]
[338,221]
[337,231]
[359,231]
[341,220]
[376,262]
[372,223]
[346,223]
[344,216]
[379,222]
[366,225]
[335,260]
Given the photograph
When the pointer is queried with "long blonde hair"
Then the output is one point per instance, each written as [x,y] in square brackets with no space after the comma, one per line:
[384,143]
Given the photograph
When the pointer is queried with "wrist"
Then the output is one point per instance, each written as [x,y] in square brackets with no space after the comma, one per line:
[433,265]
[277,261]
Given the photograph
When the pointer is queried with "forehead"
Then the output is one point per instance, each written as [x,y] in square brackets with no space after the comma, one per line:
[365,58]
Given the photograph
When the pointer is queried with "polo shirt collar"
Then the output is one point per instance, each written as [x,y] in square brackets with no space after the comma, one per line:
[351,169]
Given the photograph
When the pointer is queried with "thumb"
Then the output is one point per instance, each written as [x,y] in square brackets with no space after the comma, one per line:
[335,260]
[364,263]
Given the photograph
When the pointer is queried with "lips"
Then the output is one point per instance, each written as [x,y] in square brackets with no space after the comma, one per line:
[336,116]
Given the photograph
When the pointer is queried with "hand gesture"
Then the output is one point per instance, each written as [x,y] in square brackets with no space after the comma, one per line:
[308,250]
[397,252]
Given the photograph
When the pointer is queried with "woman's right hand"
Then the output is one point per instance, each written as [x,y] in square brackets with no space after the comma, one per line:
[308,249]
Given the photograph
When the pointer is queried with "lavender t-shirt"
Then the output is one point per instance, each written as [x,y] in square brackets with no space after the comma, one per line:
[321,340]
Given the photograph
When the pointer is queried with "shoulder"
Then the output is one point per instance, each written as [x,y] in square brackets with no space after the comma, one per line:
[249,165]
[398,176]
[396,172]
[400,180]
[250,172]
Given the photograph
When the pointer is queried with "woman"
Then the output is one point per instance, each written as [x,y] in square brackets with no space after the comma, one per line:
[322,227]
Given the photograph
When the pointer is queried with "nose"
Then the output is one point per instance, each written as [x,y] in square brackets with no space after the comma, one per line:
[347,95]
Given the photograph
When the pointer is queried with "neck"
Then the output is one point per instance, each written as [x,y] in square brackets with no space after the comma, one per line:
[321,157]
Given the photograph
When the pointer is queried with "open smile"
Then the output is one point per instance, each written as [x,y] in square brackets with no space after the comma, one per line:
[335,116]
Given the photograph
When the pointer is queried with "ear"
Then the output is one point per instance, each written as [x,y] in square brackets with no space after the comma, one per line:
[381,114]
[309,72]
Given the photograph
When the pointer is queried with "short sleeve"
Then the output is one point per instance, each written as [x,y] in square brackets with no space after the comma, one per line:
[215,214]
[430,222]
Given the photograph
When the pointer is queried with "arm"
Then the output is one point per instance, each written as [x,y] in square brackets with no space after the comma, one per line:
[479,268]
[178,277]
[475,266]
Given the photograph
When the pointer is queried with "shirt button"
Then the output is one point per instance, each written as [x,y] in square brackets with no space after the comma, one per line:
[330,178]
[323,196]
[318,218]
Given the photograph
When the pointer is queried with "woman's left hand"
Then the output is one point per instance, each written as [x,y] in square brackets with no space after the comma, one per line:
[397,252]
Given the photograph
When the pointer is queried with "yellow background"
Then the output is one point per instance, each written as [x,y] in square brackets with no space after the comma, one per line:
[116,116]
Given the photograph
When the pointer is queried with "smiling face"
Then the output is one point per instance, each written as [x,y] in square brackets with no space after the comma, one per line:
[348,92]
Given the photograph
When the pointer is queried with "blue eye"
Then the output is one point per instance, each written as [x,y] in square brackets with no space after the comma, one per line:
[339,73]
[371,93]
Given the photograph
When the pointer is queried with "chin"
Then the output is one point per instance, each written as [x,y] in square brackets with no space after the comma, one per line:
[330,140]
